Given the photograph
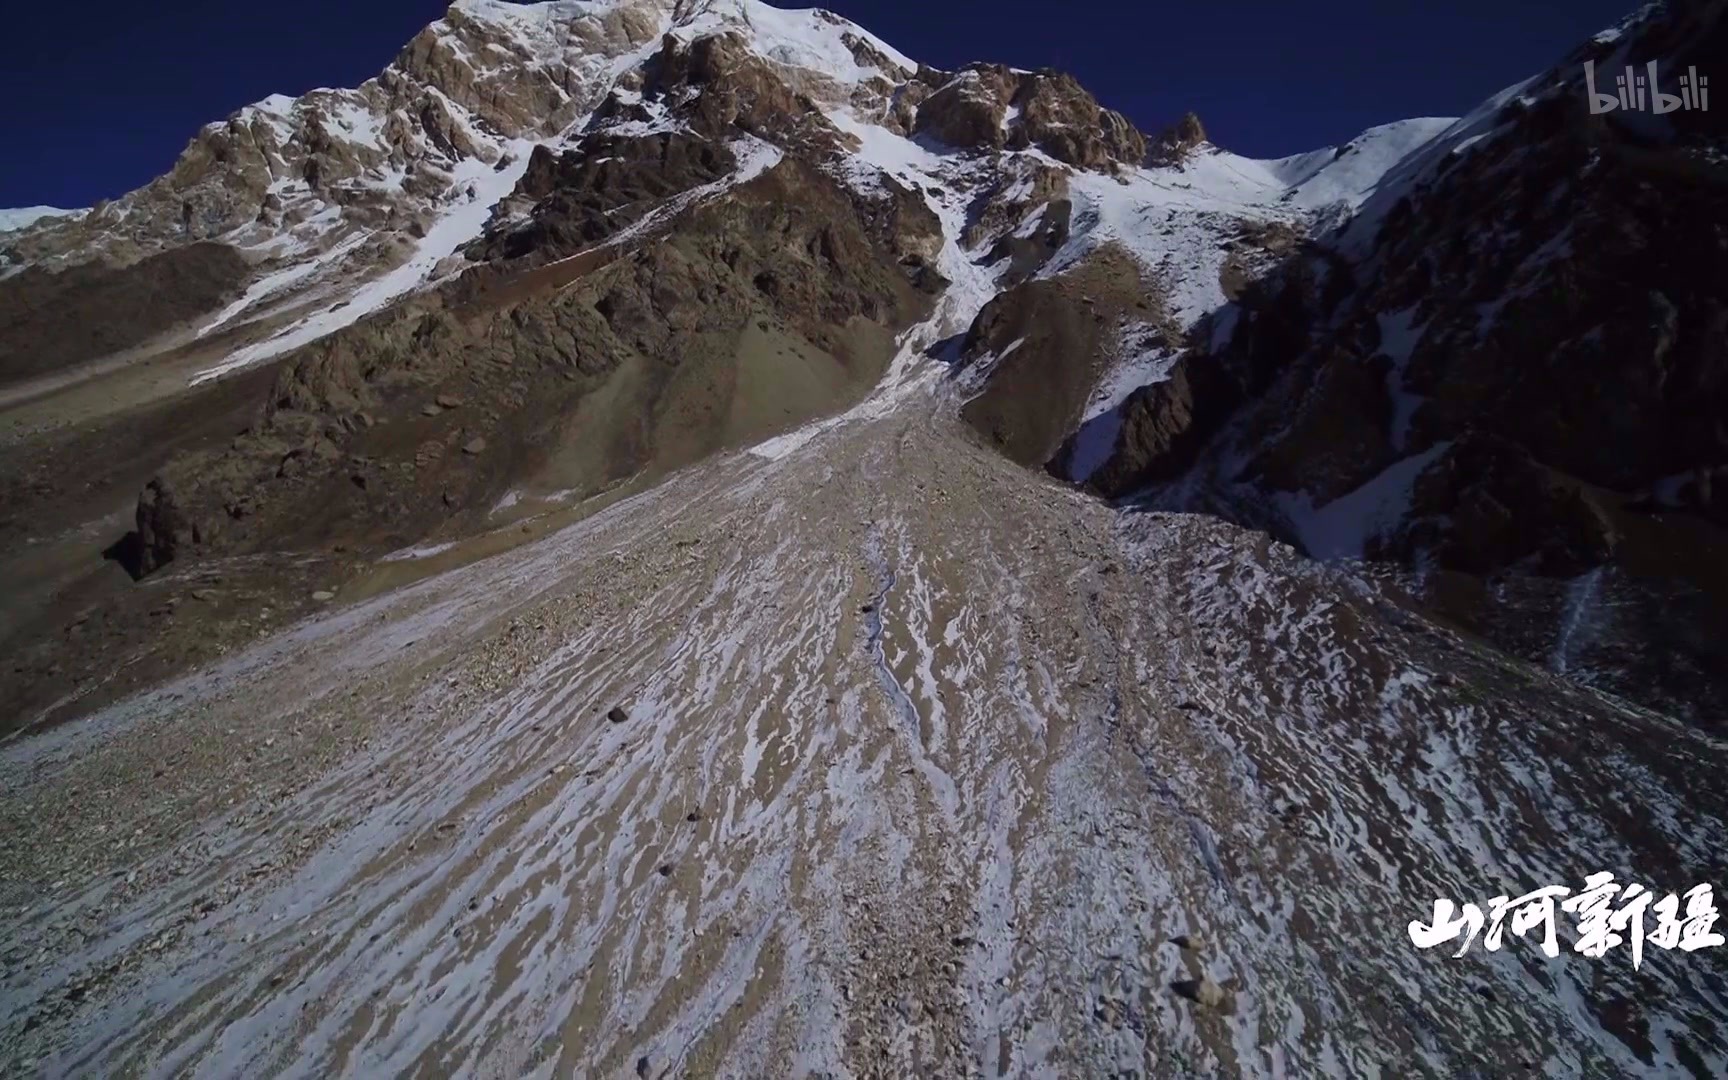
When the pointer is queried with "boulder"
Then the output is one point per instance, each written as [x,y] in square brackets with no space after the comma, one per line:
[1203,991]
[162,526]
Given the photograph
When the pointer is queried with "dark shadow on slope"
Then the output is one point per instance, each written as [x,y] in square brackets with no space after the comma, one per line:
[51,321]
[128,551]
[947,351]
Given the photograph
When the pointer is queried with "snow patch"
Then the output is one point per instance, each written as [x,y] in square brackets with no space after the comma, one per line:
[1342,528]
[1141,366]
[1581,597]
[810,39]
[409,554]
[462,223]
[1094,443]
[1349,174]
[1399,333]
[357,125]
[25,216]
[271,284]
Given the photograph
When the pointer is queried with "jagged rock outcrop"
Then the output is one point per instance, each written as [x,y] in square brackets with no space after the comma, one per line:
[1164,427]
[604,184]
[1173,145]
[1005,207]
[989,107]
[1060,117]
[718,84]
[970,109]
[483,75]
[1022,221]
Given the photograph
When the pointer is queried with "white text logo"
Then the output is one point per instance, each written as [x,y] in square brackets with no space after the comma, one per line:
[1606,914]
[1634,87]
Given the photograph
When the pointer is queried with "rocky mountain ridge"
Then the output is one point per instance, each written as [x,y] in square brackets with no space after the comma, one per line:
[538,148]
[474,227]
[498,92]
[1505,369]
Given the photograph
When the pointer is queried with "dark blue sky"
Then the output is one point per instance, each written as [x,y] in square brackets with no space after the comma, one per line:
[101,97]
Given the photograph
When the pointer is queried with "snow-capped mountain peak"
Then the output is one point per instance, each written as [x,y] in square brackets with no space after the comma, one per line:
[373,191]
[25,216]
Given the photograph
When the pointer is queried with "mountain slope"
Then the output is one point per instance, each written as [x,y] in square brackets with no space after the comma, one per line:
[1503,373]
[925,761]
[602,603]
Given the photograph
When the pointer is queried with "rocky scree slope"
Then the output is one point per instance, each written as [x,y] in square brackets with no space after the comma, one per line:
[896,759]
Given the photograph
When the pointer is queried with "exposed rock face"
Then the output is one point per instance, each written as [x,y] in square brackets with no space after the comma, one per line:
[1482,356]
[970,109]
[1058,116]
[1038,348]
[902,220]
[1485,504]
[719,85]
[1176,142]
[607,182]
[1025,252]
[1024,219]
[643,364]
[1004,208]
[1256,249]
[492,62]
[1164,426]
[989,107]
[899,113]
